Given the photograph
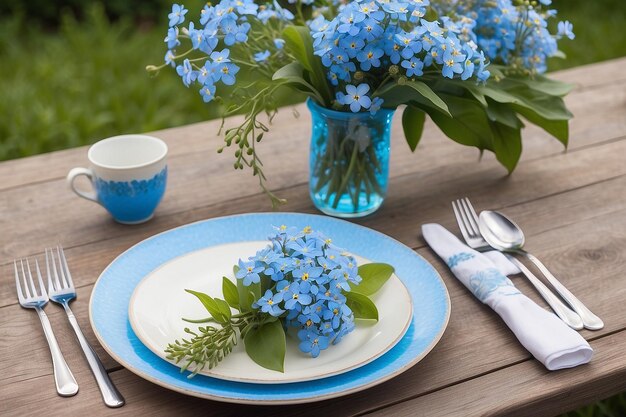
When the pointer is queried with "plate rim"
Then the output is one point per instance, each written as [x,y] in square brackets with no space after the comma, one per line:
[300,400]
[405,294]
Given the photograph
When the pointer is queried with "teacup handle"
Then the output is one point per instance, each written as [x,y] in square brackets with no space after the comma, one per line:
[73,174]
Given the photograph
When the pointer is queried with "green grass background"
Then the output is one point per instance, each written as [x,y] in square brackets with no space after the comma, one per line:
[67,81]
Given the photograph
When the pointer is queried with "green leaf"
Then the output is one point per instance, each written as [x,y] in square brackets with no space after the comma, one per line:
[431,14]
[211,306]
[289,71]
[497,94]
[557,128]
[412,91]
[266,345]
[224,308]
[361,305]
[478,95]
[299,42]
[542,84]
[468,125]
[413,125]
[507,144]
[547,106]
[231,295]
[426,92]
[374,276]
[503,113]
[293,74]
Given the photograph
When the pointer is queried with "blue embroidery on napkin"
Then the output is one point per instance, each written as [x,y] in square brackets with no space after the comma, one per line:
[486,282]
[456,259]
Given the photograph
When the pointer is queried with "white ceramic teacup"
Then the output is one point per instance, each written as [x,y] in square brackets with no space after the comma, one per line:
[128,174]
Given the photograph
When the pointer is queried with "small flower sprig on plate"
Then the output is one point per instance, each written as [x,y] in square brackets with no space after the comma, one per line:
[301,281]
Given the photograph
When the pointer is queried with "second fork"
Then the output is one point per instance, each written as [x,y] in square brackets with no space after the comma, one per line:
[62,291]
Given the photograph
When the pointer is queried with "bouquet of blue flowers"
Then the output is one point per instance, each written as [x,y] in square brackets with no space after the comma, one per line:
[473,66]
[302,282]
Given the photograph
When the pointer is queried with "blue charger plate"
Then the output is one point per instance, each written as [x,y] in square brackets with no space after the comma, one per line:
[108,307]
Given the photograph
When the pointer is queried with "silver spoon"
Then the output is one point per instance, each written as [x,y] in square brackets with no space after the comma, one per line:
[506,236]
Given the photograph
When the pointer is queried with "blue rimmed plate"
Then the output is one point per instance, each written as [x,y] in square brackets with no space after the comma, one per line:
[112,292]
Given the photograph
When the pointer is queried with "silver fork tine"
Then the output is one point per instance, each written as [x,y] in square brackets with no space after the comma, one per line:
[61,272]
[67,269]
[472,215]
[51,286]
[459,220]
[472,223]
[468,228]
[43,288]
[26,289]
[32,281]
[54,270]
[20,295]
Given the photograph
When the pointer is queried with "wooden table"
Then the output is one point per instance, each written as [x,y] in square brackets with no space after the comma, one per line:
[572,206]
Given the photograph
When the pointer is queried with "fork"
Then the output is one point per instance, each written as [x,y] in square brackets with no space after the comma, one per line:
[467,220]
[62,291]
[64,380]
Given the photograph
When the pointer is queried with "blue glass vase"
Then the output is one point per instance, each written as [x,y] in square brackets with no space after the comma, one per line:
[349,160]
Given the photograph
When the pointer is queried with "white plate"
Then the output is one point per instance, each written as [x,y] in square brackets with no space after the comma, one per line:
[159,302]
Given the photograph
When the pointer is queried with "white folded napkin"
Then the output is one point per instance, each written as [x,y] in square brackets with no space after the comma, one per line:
[542,333]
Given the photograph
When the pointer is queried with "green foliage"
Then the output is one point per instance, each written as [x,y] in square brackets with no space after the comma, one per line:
[412,91]
[266,345]
[413,125]
[373,277]
[83,83]
[611,407]
[48,12]
[293,76]
[599,30]
[218,309]
[205,349]
[299,42]
[231,293]
[488,116]
[362,306]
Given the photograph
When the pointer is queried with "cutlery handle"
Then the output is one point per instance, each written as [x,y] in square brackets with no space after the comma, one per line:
[570,318]
[111,396]
[64,380]
[590,320]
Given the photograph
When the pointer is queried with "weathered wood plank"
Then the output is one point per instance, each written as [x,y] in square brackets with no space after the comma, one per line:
[407,208]
[527,389]
[589,76]
[592,89]
[29,228]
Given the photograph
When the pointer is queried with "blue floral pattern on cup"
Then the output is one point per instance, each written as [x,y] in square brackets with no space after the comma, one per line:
[487,282]
[131,201]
